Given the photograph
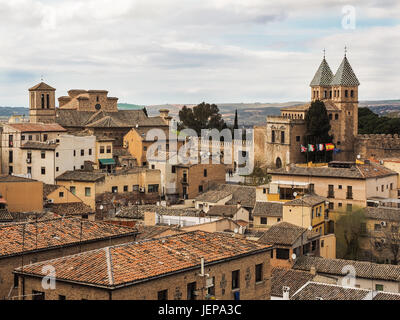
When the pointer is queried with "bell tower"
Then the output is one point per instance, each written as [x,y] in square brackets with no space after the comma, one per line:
[321,83]
[42,107]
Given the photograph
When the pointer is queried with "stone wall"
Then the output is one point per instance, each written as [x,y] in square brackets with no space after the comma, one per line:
[377,146]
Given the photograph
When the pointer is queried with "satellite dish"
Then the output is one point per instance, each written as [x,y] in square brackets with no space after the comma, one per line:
[310,228]
[236,230]
[358,156]
[101,207]
[295,194]
[294,256]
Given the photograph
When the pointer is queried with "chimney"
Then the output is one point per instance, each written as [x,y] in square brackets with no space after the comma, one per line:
[164,114]
[313,271]
[239,205]
[286,291]
[150,219]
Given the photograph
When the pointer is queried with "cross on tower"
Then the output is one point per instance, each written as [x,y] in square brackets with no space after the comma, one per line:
[324,53]
[345,50]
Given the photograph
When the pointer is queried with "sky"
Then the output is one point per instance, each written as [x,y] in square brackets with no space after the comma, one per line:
[188,51]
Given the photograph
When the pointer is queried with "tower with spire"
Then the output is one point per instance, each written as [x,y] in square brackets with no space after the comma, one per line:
[321,83]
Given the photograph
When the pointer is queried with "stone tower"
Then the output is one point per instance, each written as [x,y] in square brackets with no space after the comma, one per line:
[321,83]
[42,107]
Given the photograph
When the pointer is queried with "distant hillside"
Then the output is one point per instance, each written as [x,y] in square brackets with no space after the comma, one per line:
[10,111]
[129,106]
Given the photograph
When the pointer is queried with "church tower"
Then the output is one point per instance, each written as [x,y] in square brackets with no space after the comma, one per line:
[345,97]
[42,107]
[321,83]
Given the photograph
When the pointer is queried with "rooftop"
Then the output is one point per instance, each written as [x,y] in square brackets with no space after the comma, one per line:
[285,233]
[37,127]
[71,209]
[323,76]
[48,234]
[10,178]
[366,270]
[268,209]
[137,212]
[135,262]
[223,211]
[39,145]
[294,279]
[243,194]
[308,200]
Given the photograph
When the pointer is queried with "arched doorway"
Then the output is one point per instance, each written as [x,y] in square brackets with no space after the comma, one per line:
[278,163]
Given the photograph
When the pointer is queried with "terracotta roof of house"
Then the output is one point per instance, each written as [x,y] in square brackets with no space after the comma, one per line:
[39,145]
[150,232]
[285,233]
[324,291]
[329,105]
[42,86]
[293,279]
[358,171]
[121,118]
[383,213]
[387,296]
[37,127]
[71,209]
[367,270]
[137,212]
[243,194]
[48,234]
[11,178]
[268,209]
[81,175]
[223,211]
[49,188]
[308,200]
[5,216]
[135,262]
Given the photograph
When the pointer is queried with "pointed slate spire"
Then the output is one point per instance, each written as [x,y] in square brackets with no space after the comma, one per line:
[323,76]
[345,75]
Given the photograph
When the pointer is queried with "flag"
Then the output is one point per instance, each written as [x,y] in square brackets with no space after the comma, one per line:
[303,149]
[311,148]
[320,147]
[329,146]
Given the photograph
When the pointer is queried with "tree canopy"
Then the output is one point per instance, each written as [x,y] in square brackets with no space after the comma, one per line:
[317,130]
[370,122]
[202,116]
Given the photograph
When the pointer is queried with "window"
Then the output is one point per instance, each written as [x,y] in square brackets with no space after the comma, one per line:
[87,192]
[379,287]
[29,170]
[349,192]
[331,193]
[200,188]
[382,188]
[173,169]
[336,116]
[108,149]
[125,188]
[282,254]
[72,189]
[57,169]
[235,279]
[331,206]
[322,243]
[153,166]
[30,137]
[377,227]
[162,295]
[114,189]
[311,187]
[145,148]
[263,220]
[340,187]
[205,173]
[395,229]
[352,93]
[135,187]
[56,154]
[313,245]
[37,295]
[74,153]
[298,138]
[43,170]
[42,101]
[61,194]
[153,188]
[43,154]
[82,152]
[61,297]
[101,149]
[191,288]
[10,156]
[22,137]
[346,93]
[330,116]
[282,137]
[273,136]
[264,190]
[259,272]
[90,152]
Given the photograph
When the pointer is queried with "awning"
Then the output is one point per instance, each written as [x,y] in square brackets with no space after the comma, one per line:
[107,161]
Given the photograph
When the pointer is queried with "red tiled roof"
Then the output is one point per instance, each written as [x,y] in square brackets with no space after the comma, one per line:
[37,127]
[129,263]
[48,234]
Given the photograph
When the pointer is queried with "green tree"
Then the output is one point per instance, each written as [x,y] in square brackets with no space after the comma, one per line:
[317,131]
[349,230]
[236,123]
[202,116]
[369,122]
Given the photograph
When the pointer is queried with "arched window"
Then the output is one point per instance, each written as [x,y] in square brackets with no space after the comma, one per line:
[352,93]
[346,93]
[325,94]
[48,101]
[330,116]
[278,163]
[330,94]
[336,116]
[42,101]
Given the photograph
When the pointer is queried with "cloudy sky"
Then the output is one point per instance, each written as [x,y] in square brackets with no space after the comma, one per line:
[188,51]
